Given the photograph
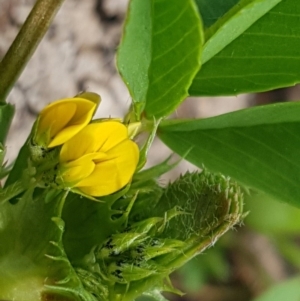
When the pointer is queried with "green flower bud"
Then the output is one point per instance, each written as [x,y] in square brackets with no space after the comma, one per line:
[166,230]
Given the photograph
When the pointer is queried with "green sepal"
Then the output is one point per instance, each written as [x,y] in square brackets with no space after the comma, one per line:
[155,295]
[165,286]
[127,272]
[148,175]
[145,148]
[35,160]
[119,243]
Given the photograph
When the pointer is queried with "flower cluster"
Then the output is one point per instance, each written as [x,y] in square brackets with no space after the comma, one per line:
[97,158]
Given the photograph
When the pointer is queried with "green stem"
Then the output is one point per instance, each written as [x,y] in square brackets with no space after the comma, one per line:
[25,43]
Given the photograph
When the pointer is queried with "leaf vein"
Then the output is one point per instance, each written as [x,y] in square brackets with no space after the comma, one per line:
[238,150]
[173,22]
[271,149]
[271,35]
[174,66]
[167,92]
[226,162]
[243,75]
[284,14]
[258,57]
[176,44]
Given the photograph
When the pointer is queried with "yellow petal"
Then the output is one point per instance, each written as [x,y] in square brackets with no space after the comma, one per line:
[72,174]
[113,174]
[93,138]
[54,118]
[103,181]
[126,157]
[94,97]
[83,143]
[85,159]
[63,119]
[111,134]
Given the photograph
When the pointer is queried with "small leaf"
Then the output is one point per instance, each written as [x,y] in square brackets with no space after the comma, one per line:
[259,147]
[134,53]
[160,53]
[79,240]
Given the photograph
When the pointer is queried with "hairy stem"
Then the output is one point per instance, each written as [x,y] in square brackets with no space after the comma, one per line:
[25,43]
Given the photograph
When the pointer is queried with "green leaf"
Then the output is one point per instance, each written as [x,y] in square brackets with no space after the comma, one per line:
[159,54]
[6,115]
[233,23]
[213,10]
[281,219]
[33,264]
[259,147]
[264,57]
[134,53]
[288,290]
[79,211]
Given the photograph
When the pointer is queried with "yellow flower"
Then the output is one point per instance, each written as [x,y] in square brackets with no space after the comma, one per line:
[99,160]
[62,119]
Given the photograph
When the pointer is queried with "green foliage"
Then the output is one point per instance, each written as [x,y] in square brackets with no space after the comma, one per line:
[256,146]
[6,115]
[93,215]
[263,57]
[64,246]
[133,62]
[289,290]
[213,10]
[282,220]
[232,23]
[138,248]
[160,53]
[32,230]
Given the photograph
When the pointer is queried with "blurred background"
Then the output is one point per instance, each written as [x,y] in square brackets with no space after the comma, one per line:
[78,53]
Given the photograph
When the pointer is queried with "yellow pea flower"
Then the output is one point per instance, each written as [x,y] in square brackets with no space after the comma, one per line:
[62,119]
[99,160]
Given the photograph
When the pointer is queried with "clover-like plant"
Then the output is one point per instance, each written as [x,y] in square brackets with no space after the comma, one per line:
[81,218]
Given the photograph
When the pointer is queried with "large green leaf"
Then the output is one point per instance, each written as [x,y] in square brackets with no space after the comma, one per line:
[160,52]
[6,115]
[264,57]
[259,147]
[232,23]
[288,290]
